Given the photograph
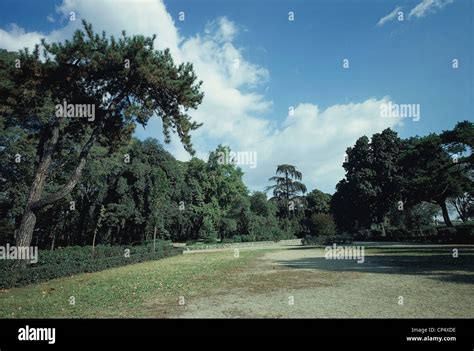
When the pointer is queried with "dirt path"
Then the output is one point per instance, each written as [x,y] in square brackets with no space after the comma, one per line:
[298,282]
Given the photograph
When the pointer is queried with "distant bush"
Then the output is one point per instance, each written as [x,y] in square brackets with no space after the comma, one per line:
[243,238]
[397,234]
[266,229]
[208,232]
[237,238]
[361,235]
[429,231]
[322,224]
[459,234]
[377,235]
[289,228]
[446,232]
[465,233]
[75,259]
[248,238]
[327,240]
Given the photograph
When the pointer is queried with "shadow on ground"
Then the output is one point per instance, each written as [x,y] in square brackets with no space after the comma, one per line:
[433,263]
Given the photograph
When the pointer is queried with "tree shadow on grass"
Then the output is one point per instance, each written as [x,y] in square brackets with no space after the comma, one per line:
[423,251]
[436,264]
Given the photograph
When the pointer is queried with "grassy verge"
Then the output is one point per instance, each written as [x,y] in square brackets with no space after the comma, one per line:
[149,289]
[217,281]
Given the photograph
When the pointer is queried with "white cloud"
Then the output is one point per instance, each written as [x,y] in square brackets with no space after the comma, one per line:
[233,110]
[16,38]
[424,8]
[222,29]
[315,141]
[428,6]
[390,17]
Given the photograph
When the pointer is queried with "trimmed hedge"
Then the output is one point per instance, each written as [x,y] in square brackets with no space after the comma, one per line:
[76,259]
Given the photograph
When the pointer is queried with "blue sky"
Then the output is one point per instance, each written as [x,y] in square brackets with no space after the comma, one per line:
[409,62]
[293,63]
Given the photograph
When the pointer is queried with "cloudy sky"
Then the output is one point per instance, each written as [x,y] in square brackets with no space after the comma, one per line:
[294,81]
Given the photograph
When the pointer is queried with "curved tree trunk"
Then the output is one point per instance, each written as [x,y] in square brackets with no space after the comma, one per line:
[27,226]
[48,142]
[35,201]
[444,210]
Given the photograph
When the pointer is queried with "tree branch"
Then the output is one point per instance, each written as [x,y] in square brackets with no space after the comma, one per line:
[76,175]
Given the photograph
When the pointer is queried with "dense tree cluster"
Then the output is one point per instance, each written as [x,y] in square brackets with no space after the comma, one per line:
[72,181]
[135,193]
[404,182]
[124,82]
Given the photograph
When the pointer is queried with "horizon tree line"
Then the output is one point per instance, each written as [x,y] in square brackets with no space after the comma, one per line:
[73,172]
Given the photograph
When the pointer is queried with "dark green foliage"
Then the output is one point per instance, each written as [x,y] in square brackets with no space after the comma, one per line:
[371,185]
[465,233]
[464,204]
[327,240]
[317,202]
[267,228]
[207,232]
[413,218]
[124,81]
[322,224]
[460,234]
[261,206]
[74,259]
[419,173]
[288,190]
[351,204]
[188,201]
[289,200]
[199,200]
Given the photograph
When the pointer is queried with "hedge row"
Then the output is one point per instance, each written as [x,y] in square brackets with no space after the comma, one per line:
[459,234]
[327,239]
[75,259]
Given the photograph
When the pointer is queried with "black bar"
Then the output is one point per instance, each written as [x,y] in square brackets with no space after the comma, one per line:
[353,333]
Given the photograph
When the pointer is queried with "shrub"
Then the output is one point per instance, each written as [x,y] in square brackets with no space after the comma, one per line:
[397,234]
[462,234]
[446,234]
[248,238]
[237,238]
[377,235]
[75,259]
[362,235]
[327,240]
[267,229]
[322,224]
[429,232]
[465,233]
[290,227]
[208,232]
[227,227]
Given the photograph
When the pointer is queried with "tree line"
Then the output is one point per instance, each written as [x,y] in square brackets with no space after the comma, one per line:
[138,193]
[405,182]
[74,181]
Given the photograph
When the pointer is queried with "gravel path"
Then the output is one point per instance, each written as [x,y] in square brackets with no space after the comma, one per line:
[297,282]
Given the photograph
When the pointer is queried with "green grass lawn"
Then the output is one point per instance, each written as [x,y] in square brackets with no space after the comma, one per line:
[258,283]
[149,289]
